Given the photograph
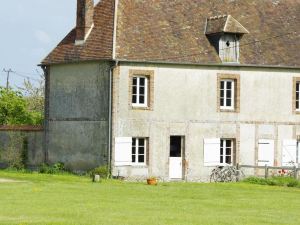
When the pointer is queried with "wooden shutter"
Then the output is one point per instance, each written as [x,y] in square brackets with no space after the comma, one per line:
[289,153]
[212,152]
[123,151]
[265,152]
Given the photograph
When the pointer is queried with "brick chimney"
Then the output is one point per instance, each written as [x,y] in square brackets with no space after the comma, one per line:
[84,21]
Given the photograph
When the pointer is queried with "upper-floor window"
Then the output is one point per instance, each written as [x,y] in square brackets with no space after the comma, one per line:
[228,93]
[139,148]
[227,89]
[140,91]
[297,96]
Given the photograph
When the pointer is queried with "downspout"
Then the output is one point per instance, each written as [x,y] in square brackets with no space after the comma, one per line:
[46,112]
[111,87]
[110,119]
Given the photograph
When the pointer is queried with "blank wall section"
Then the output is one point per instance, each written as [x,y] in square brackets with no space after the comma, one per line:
[247,144]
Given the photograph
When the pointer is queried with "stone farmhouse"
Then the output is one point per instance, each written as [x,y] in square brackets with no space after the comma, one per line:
[174,88]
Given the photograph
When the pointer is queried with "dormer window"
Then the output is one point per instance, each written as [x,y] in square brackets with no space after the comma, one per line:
[229,48]
[224,33]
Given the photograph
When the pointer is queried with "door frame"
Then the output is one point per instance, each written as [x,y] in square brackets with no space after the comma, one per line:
[182,146]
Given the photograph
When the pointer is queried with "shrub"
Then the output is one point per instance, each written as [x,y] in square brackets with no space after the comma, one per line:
[274,181]
[102,171]
[52,169]
[293,183]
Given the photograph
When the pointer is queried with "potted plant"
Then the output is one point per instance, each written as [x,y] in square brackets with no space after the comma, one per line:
[152,181]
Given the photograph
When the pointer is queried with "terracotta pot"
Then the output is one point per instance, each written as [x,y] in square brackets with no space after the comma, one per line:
[152,181]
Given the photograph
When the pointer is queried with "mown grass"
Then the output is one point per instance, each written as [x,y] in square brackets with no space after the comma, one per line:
[66,199]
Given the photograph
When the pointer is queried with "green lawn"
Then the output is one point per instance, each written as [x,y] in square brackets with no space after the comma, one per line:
[65,199]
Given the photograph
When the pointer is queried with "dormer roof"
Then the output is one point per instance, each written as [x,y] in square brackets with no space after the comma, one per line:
[224,24]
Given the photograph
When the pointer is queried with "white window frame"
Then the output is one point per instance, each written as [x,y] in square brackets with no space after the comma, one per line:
[297,96]
[138,94]
[224,106]
[223,147]
[136,146]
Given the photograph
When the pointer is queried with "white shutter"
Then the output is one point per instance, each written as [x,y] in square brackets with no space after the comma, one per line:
[289,153]
[265,152]
[123,150]
[212,152]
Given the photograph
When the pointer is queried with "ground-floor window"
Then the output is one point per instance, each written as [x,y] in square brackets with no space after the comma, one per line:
[226,151]
[139,148]
[219,152]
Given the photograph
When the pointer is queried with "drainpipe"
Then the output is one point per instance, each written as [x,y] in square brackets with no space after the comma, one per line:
[110,119]
[46,112]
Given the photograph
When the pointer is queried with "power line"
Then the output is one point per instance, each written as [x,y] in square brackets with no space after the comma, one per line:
[27,77]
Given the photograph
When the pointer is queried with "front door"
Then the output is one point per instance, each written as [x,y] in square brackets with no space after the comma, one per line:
[175,160]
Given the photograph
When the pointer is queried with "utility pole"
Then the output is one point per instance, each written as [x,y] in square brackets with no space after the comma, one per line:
[7,77]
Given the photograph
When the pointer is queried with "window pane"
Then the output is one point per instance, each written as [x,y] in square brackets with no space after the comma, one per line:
[142,81]
[229,84]
[222,93]
[141,158]
[134,90]
[221,159]
[221,151]
[134,81]
[133,150]
[142,90]
[228,151]
[141,150]
[297,86]
[142,99]
[134,99]
[228,143]
[297,104]
[228,159]
[228,93]
[141,142]
[222,101]
[228,102]
[222,84]
[133,158]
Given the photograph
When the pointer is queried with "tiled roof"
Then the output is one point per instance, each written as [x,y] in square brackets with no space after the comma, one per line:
[174,31]
[98,45]
[164,30]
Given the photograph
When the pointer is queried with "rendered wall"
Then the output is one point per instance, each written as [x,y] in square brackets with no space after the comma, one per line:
[185,103]
[78,104]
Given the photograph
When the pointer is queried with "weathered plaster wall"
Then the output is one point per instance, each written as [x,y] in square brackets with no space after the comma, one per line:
[77,132]
[185,103]
[34,145]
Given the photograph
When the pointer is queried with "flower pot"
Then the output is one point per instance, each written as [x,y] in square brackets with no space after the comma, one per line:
[152,181]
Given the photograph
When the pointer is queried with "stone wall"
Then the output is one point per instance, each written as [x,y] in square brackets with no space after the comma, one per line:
[23,138]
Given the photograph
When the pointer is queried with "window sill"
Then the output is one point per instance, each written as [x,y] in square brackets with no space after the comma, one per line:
[228,110]
[139,166]
[142,108]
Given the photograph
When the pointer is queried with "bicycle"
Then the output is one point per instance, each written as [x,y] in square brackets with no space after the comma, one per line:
[226,174]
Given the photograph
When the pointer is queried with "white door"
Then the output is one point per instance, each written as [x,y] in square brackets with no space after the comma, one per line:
[175,168]
[289,153]
[175,159]
[265,152]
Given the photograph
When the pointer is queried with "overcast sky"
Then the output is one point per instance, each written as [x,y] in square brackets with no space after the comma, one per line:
[30,29]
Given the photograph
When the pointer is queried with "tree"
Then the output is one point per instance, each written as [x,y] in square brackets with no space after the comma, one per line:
[34,95]
[14,109]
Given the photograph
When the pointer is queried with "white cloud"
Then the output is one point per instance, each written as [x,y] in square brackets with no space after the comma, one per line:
[42,36]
